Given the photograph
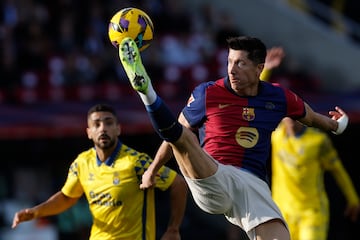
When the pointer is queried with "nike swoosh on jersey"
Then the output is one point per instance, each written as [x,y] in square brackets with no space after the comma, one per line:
[221,106]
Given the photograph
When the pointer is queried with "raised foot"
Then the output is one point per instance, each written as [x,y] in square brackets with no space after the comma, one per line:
[131,60]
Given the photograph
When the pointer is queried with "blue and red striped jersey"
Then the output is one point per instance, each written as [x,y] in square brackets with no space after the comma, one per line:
[237,130]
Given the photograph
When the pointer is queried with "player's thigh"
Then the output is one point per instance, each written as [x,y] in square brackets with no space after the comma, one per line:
[193,161]
[273,229]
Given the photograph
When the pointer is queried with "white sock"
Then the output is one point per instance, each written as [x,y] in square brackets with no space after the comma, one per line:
[150,97]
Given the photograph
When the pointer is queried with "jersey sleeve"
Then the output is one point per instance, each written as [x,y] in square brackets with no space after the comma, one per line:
[72,186]
[165,178]
[195,109]
[295,105]
[265,74]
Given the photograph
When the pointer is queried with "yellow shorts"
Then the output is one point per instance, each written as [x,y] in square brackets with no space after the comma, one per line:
[307,225]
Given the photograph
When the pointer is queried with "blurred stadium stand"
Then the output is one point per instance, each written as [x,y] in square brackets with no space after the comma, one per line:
[56,62]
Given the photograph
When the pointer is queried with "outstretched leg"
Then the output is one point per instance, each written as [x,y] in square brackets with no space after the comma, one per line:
[192,160]
[164,122]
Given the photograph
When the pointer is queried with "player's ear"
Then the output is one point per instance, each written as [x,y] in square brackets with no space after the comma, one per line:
[119,130]
[259,69]
[88,133]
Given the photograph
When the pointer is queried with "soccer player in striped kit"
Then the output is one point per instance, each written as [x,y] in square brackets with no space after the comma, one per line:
[234,118]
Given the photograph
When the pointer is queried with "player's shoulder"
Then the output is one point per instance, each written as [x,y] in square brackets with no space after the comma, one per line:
[271,85]
[133,155]
[273,89]
[279,132]
[84,158]
[200,90]
[205,85]
[129,151]
[87,154]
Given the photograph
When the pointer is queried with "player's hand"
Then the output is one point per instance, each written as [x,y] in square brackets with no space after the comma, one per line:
[341,117]
[22,216]
[352,212]
[148,179]
[171,234]
[274,57]
[337,114]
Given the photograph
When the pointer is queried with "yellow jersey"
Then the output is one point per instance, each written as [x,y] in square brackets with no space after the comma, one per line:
[120,209]
[298,166]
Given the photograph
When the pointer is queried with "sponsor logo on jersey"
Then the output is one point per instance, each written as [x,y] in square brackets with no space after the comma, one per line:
[247,137]
[269,106]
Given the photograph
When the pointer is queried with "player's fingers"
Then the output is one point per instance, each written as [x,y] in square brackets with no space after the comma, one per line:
[18,218]
[338,109]
[15,222]
[146,184]
[337,114]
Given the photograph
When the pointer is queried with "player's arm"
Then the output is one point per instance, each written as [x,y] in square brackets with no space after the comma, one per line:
[345,184]
[163,155]
[178,199]
[336,123]
[273,59]
[56,204]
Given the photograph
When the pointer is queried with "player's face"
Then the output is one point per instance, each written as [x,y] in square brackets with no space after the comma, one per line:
[103,129]
[243,73]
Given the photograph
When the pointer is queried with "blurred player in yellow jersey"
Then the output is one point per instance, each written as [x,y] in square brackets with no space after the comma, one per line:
[300,156]
[109,174]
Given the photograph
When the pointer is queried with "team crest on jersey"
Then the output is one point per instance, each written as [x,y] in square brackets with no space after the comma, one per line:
[190,100]
[248,114]
[116,179]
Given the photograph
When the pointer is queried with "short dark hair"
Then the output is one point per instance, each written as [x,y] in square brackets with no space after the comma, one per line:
[255,47]
[102,108]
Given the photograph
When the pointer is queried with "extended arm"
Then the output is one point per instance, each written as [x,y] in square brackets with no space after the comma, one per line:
[338,120]
[336,123]
[178,198]
[163,155]
[344,182]
[56,204]
[274,57]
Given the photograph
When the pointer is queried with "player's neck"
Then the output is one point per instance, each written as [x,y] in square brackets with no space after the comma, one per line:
[104,154]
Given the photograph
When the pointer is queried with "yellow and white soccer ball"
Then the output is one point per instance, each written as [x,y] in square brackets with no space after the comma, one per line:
[134,23]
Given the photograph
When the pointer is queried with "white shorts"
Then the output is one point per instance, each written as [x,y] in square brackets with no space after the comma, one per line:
[242,197]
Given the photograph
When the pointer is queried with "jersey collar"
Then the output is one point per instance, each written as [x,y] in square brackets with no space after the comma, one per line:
[110,160]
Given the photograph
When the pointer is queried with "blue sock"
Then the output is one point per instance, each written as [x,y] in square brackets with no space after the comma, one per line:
[163,121]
